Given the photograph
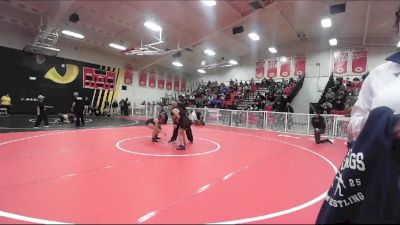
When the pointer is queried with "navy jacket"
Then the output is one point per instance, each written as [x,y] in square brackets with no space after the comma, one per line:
[366,187]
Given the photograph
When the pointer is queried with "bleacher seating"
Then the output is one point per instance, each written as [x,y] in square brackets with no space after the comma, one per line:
[247,95]
[340,95]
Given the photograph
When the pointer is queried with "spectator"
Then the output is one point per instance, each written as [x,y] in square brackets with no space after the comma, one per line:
[122,106]
[6,102]
[126,107]
[86,106]
[289,108]
[107,110]
[114,106]
[97,111]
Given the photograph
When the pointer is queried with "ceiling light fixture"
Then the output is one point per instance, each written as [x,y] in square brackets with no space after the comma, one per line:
[152,26]
[333,41]
[120,47]
[326,22]
[272,50]
[72,34]
[210,3]
[209,52]
[254,36]
[233,62]
[176,63]
[201,71]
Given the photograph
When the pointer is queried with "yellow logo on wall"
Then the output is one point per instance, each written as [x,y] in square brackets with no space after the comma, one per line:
[70,75]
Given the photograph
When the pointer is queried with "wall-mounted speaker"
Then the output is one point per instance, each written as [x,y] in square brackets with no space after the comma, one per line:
[337,8]
[74,18]
[237,30]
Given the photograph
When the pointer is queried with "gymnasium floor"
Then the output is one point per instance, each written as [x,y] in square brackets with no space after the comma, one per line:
[114,174]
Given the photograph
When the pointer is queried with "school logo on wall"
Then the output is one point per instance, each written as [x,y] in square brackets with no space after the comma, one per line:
[71,73]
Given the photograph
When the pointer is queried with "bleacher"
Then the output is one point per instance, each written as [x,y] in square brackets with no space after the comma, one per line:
[248,100]
[330,103]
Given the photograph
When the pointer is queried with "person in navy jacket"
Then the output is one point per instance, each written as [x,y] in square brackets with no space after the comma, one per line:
[366,188]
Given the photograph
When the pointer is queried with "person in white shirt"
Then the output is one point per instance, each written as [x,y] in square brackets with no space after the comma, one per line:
[380,88]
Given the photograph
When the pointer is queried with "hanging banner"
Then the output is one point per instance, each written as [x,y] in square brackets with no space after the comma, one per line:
[143,78]
[176,83]
[161,81]
[359,61]
[300,65]
[128,76]
[169,82]
[260,70]
[183,85]
[152,79]
[285,67]
[340,62]
[272,68]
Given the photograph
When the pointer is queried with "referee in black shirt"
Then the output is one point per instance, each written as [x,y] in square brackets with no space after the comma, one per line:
[77,109]
[318,123]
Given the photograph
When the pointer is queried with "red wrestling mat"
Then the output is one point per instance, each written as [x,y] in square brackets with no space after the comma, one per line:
[118,175]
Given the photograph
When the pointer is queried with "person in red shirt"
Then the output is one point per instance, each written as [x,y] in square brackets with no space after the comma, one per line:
[268,107]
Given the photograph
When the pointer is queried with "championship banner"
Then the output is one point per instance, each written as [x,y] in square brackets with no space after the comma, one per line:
[359,61]
[272,68]
[176,83]
[152,79]
[161,81]
[340,62]
[285,67]
[300,65]
[128,76]
[143,78]
[183,85]
[169,82]
[260,70]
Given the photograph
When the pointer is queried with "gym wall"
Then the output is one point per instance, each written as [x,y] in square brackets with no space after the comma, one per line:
[64,76]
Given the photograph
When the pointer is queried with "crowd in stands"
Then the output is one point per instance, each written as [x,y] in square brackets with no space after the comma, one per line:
[341,95]
[214,94]
[274,97]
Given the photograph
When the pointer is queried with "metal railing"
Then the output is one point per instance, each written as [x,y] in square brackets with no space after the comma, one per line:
[294,123]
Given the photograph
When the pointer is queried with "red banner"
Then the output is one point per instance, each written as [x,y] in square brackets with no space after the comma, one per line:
[143,78]
[183,85]
[340,61]
[128,76]
[359,62]
[169,82]
[272,68]
[260,70]
[285,67]
[300,65]
[152,79]
[176,83]
[93,80]
[161,81]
